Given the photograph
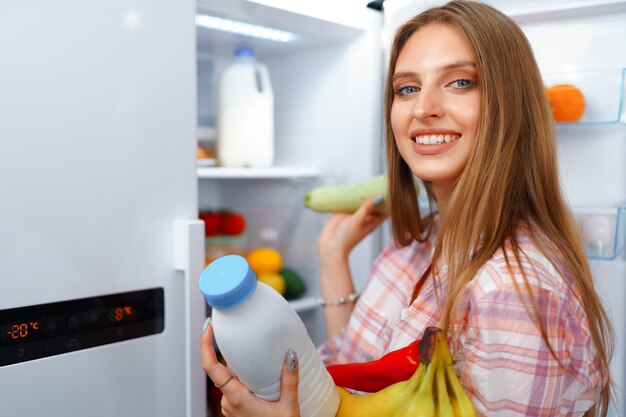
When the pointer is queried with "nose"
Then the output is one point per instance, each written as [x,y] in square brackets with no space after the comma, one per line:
[428,105]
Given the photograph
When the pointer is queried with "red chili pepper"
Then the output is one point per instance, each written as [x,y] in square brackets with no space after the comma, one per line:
[373,376]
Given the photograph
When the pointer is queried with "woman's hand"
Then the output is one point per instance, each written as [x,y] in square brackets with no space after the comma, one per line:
[339,236]
[343,231]
[237,400]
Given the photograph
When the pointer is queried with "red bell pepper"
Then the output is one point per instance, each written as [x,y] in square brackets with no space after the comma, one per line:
[395,366]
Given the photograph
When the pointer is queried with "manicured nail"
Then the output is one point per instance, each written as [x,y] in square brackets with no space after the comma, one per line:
[206,324]
[292,360]
[377,200]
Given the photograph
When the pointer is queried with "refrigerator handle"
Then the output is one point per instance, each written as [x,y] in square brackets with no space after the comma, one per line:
[189,258]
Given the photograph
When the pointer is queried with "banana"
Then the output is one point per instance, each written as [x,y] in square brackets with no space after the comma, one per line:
[422,403]
[441,353]
[432,391]
[461,403]
[458,400]
[442,399]
[383,403]
[437,394]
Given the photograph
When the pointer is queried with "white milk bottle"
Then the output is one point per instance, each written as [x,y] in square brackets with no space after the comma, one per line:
[254,327]
[245,120]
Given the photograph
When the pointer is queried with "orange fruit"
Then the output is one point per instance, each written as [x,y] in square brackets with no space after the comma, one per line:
[567,102]
[201,153]
[265,259]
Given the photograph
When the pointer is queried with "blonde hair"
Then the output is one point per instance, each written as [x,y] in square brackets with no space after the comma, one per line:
[510,180]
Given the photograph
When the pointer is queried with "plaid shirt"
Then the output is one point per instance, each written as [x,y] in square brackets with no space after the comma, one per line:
[500,358]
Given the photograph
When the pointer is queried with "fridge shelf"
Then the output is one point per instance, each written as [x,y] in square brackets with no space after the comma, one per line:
[304,304]
[603,92]
[602,230]
[206,133]
[259,173]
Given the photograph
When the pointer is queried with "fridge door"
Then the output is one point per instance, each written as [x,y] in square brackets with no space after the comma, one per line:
[97,165]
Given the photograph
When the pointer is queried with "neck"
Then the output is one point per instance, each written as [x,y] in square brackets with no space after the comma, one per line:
[442,194]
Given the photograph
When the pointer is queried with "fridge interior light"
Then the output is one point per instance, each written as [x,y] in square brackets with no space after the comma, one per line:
[246,29]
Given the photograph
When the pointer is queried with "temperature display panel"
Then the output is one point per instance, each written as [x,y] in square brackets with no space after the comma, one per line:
[38,331]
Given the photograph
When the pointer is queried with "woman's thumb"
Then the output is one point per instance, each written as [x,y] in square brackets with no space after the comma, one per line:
[289,378]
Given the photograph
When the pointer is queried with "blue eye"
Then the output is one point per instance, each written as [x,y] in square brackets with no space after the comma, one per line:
[404,91]
[463,83]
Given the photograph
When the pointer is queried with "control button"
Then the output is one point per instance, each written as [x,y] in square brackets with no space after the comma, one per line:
[51,325]
[72,323]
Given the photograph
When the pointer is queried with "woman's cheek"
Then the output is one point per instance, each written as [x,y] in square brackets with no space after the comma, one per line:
[465,112]
[400,118]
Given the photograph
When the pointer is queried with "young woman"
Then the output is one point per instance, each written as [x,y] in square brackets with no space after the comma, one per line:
[499,264]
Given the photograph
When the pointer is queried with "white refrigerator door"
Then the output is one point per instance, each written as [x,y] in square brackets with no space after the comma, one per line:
[98,177]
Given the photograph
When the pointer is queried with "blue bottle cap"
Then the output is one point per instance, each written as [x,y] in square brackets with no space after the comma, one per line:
[227,281]
[239,52]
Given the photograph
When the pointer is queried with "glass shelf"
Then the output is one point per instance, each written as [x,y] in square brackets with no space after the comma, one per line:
[602,230]
[303,304]
[603,91]
[206,133]
[259,173]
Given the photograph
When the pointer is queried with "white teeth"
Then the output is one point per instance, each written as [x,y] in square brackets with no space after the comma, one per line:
[435,139]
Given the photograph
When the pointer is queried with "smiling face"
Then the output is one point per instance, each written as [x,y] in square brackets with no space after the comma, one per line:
[436,105]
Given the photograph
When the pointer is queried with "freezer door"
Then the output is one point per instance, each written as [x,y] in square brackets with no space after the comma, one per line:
[97,164]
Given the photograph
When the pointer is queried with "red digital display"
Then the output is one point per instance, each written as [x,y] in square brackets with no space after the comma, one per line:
[71,322]
[42,330]
[120,313]
[21,330]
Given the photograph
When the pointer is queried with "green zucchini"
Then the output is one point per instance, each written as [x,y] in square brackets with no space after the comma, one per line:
[345,197]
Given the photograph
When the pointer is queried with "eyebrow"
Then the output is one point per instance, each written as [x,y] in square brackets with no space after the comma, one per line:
[447,67]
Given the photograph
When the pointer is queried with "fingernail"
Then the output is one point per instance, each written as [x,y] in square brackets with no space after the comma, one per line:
[206,324]
[377,200]
[292,360]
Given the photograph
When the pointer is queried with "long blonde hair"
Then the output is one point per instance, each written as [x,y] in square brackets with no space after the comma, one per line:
[511,178]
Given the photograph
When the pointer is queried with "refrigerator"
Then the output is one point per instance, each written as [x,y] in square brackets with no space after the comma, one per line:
[103,106]
[100,246]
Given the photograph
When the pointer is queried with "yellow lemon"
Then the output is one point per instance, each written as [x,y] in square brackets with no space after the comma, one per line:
[274,280]
[264,260]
